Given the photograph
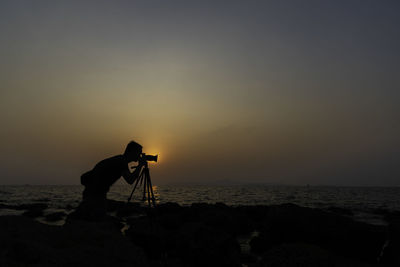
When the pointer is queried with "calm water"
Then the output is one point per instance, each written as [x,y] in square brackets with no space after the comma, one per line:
[363,201]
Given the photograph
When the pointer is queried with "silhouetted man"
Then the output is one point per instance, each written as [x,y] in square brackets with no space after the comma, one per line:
[98,181]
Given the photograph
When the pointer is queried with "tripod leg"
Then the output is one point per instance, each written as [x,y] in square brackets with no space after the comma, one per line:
[148,191]
[134,188]
[144,186]
[151,192]
[141,180]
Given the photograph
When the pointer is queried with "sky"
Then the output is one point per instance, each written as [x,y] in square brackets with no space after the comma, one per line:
[226,92]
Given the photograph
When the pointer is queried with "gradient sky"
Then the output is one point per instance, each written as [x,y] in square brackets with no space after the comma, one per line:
[287,92]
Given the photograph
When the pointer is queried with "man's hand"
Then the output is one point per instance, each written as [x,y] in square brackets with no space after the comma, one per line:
[142,161]
[129,176]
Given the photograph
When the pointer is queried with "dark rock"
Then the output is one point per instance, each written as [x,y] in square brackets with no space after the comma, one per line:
[199,245]
[200,235]
[390,252]
[171,221]
[114,205]
[193,235]
[55,216]
[248,259]
[45,199]
[169,208]
[297,255]
[222,217]
[340,211]
[27,242]
[23,253]
[392,216]
[263,242]
[69,207]
[254,213]
[33,210]
[289,223]
[33,206]
[129,210]
[124,209]
[381,211]
[4,206]
[148,235]
[33,213]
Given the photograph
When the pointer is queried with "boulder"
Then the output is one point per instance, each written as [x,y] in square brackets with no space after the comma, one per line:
[297,254]
[55,216]
[27,242]
[290,223]
[390,252]
[192,236]
[200,245]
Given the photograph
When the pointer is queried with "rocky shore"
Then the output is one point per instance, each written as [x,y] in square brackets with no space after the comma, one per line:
[199,235]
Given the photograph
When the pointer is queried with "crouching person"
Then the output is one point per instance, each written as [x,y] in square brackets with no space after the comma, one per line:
[97,182]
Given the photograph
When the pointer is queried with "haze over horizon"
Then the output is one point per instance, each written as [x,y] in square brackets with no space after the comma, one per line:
[279,92]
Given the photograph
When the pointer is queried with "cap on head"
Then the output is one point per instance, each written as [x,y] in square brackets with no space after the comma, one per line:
[133,149]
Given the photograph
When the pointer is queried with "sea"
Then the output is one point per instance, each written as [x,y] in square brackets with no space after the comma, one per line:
[366,204]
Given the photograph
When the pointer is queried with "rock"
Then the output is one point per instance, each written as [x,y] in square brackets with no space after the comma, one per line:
[390,252]
[33,210]
[33,206]
[78,243]
[256,215]
[69,207]
[192,236]
[33,213]
[199,235]
[55,216]
[146,233]
[172,216]
[45,199]
[263,242]
[114,205]
[4,206]
[199,245]
[340,211]
[290,223]
[222,217]
[129,210]
[297,254]
[124,209]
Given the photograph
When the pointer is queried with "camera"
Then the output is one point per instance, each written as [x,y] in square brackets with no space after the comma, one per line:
[149,157]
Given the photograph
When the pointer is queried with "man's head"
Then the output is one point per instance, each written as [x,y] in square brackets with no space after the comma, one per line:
[132,151]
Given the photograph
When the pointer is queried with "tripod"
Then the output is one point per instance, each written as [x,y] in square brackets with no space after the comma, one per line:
[144,179]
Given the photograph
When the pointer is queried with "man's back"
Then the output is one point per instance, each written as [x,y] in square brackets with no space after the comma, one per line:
[106,173]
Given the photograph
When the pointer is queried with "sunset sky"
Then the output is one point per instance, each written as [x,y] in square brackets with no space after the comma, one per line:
[277,92]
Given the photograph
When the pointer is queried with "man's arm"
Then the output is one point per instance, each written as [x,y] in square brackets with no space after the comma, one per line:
[130,177]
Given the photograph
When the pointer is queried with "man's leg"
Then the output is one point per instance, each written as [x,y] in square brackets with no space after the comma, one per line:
[93,205]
